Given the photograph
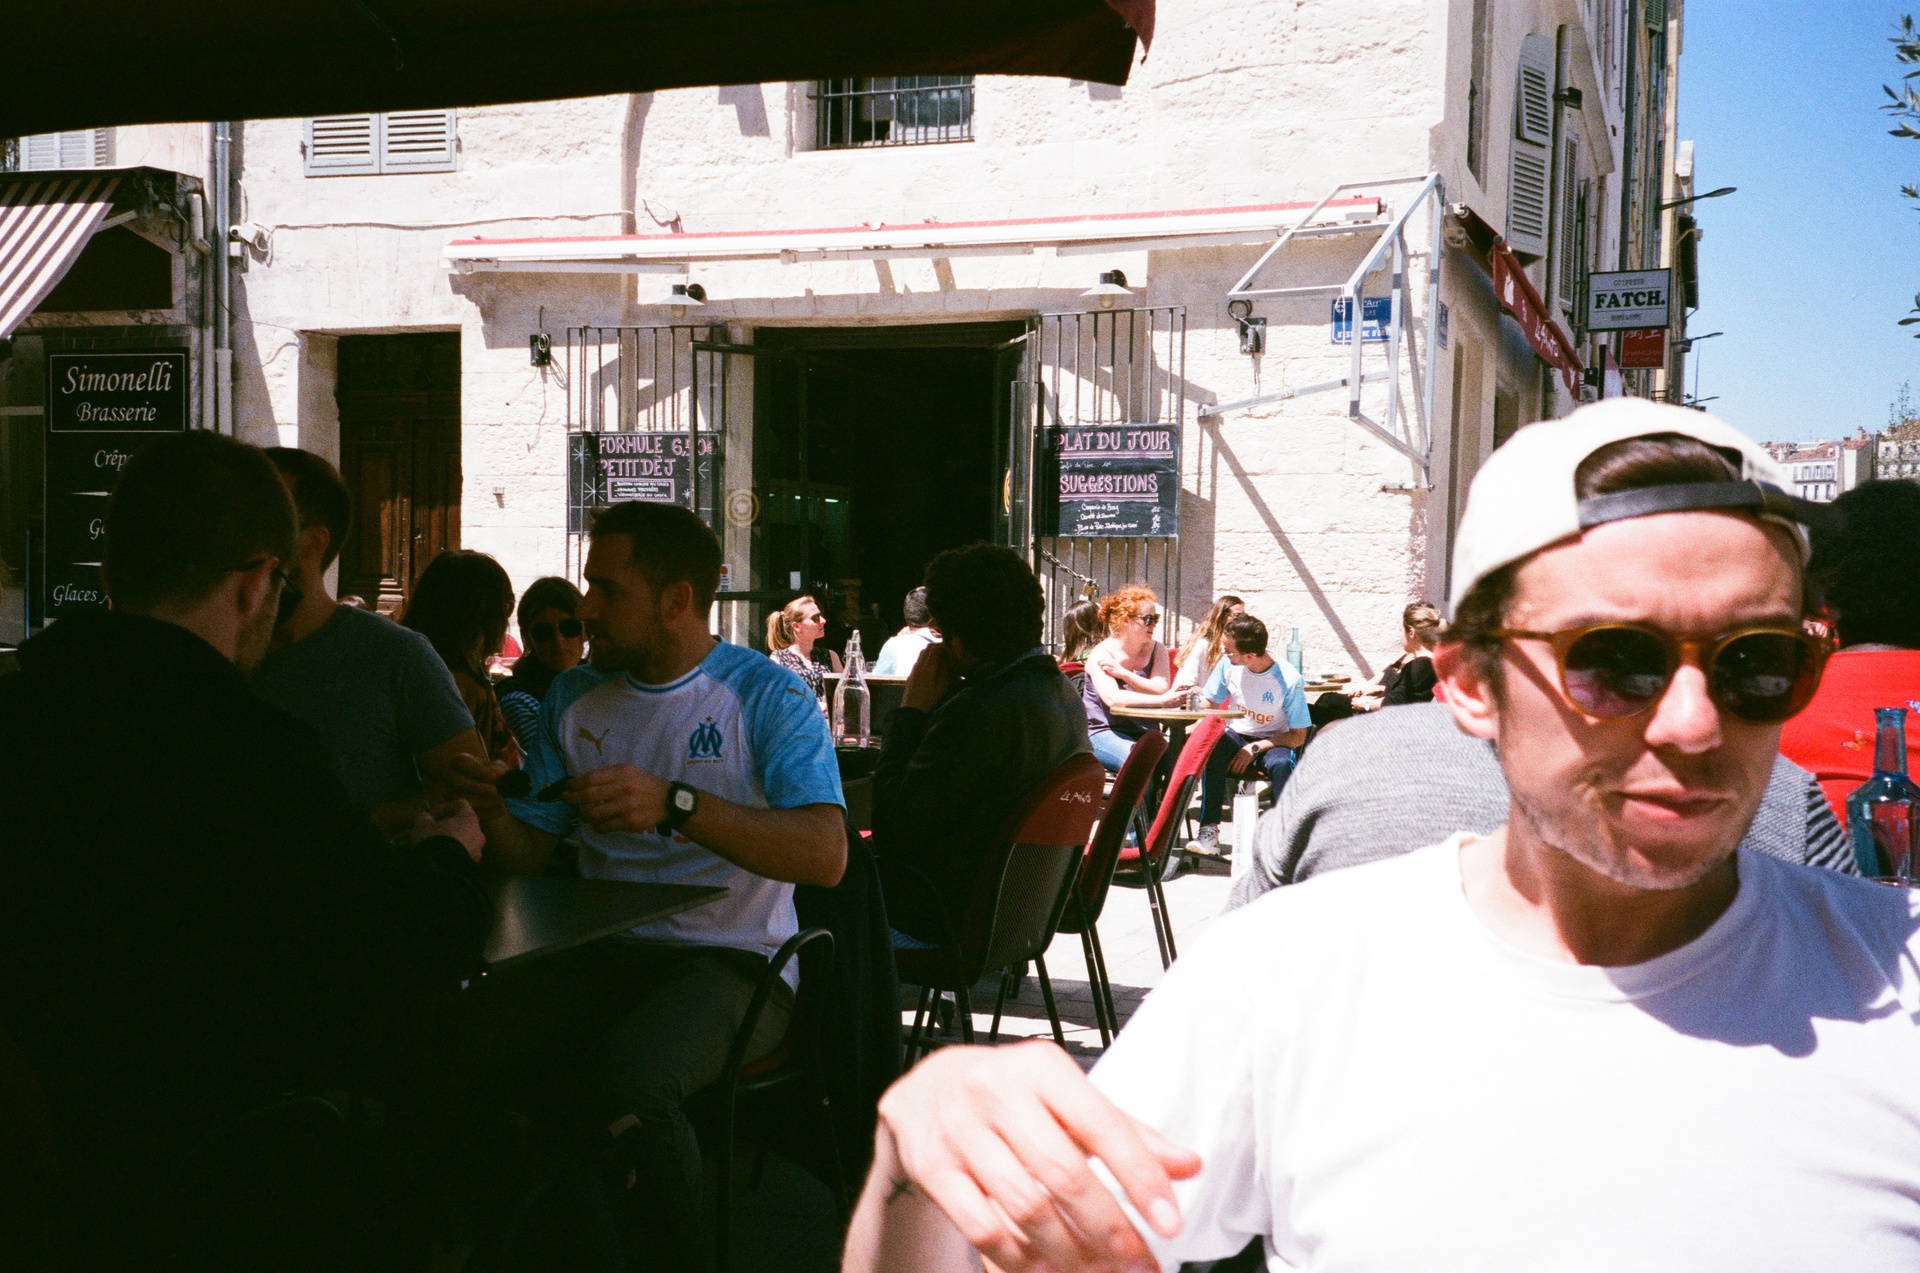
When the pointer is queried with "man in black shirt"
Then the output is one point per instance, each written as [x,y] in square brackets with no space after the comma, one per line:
[984,717]
[193,919]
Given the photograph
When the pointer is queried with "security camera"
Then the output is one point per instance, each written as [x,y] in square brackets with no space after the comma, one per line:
[253,234]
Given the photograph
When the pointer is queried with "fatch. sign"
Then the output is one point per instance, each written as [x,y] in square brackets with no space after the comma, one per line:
[1628,300]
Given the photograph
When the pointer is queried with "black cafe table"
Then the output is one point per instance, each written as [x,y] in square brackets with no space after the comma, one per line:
[537,915]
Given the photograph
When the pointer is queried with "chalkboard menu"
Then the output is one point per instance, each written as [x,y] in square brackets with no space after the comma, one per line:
[102,408]
[1114,481]
[612,468]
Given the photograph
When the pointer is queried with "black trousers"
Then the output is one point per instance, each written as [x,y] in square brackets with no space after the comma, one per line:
[612,1040]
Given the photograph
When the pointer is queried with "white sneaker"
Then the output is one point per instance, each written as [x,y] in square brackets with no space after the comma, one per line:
[1208,841]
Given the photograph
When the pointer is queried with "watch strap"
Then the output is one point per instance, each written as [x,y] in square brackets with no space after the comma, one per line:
[676,815]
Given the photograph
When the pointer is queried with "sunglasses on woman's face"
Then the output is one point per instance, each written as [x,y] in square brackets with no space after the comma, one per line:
[1612,671]
[568,628]
[1148,619]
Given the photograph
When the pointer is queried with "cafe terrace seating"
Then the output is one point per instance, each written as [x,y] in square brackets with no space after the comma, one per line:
[1016,902]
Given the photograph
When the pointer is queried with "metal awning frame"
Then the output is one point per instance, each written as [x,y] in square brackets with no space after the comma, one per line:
[1064,236]
[1417,444]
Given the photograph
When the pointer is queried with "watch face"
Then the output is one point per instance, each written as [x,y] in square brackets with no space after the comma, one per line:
[683,801]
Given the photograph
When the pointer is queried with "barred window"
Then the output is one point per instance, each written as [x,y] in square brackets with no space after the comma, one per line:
[893,110]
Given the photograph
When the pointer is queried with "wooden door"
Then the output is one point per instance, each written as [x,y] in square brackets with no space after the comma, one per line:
[400,455]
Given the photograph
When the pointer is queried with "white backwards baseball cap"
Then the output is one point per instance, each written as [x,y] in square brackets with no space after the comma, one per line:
[1523,498]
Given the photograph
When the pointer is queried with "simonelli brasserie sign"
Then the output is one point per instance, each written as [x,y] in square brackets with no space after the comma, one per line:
[102,408]
[1114,480]
[656,466]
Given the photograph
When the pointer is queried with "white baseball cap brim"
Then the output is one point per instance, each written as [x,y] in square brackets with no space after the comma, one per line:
[1523,499]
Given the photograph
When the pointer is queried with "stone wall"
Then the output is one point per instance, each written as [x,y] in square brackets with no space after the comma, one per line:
[1311,518]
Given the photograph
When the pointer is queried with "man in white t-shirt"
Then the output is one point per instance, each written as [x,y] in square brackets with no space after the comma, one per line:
[1272,701]
[1598,1038]
[902,649]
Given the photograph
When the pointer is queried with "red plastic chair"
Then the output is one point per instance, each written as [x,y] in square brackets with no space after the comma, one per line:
[1143,866]
[1096,871]
[1017,897]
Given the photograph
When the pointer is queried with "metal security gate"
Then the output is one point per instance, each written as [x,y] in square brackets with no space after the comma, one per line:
[646,381]
[1100,367]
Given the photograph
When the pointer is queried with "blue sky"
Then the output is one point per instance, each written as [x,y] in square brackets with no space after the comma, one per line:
[1810,266]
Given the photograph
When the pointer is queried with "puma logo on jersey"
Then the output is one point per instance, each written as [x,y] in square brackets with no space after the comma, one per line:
[598,743]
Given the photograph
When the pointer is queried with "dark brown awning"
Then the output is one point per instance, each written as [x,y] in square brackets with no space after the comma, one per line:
[93,63]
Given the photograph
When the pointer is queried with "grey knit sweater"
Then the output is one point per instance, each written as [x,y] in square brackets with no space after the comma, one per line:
[1393,780]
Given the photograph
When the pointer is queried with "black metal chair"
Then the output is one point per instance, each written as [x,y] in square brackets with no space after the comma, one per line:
[1089,895]
[795,1061]
[1016,900]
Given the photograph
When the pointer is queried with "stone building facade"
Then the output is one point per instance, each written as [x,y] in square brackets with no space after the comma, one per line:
[877,392]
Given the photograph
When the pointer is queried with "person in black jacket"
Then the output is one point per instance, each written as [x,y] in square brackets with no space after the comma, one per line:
[1409,678]
[194,921]
[986,714]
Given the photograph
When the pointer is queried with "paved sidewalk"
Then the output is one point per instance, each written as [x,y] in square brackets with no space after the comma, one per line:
[1133,961]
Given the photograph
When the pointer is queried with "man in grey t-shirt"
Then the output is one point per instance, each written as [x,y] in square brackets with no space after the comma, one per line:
[1376,785]
[377,692]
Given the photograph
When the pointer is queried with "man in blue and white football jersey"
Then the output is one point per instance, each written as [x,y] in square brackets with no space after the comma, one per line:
[685,760]
[1271,698]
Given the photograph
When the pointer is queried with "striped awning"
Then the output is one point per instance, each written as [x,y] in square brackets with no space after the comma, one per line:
[44,225]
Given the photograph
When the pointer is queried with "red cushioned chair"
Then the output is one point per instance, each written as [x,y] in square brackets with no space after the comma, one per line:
[1016,900]
[1096,871]
[1144,865]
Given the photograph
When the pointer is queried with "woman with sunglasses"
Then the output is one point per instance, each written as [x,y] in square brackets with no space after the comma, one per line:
[793,640]
[1131,668]
[555,641]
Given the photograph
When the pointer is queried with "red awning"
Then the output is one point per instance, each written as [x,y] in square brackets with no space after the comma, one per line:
[92,63]
[1517,297]
[45,222]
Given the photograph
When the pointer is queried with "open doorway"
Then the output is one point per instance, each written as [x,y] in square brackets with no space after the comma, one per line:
[874,450]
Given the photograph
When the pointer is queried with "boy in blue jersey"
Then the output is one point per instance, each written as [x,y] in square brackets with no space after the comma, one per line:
[1272,700]
[685,760]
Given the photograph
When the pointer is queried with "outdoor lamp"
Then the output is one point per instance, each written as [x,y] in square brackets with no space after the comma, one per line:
[685,294]
[1112,283]
[1695,198]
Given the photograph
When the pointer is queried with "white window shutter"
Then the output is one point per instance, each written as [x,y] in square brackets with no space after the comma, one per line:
[40,152]
[81,148]
[1527,182]
[338,145]
[1533,100]
[76,149]
[1567,237]
[417,141]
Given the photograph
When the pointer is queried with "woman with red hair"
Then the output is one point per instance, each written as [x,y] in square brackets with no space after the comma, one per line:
[1131,668]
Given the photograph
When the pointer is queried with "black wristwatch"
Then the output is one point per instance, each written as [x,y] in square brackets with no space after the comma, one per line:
[682,802]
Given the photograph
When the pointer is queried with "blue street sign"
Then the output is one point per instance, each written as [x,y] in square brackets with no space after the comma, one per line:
[1375,311]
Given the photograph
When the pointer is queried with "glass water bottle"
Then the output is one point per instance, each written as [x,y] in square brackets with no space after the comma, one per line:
[1883,813]
[1296,655]
[852,701]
